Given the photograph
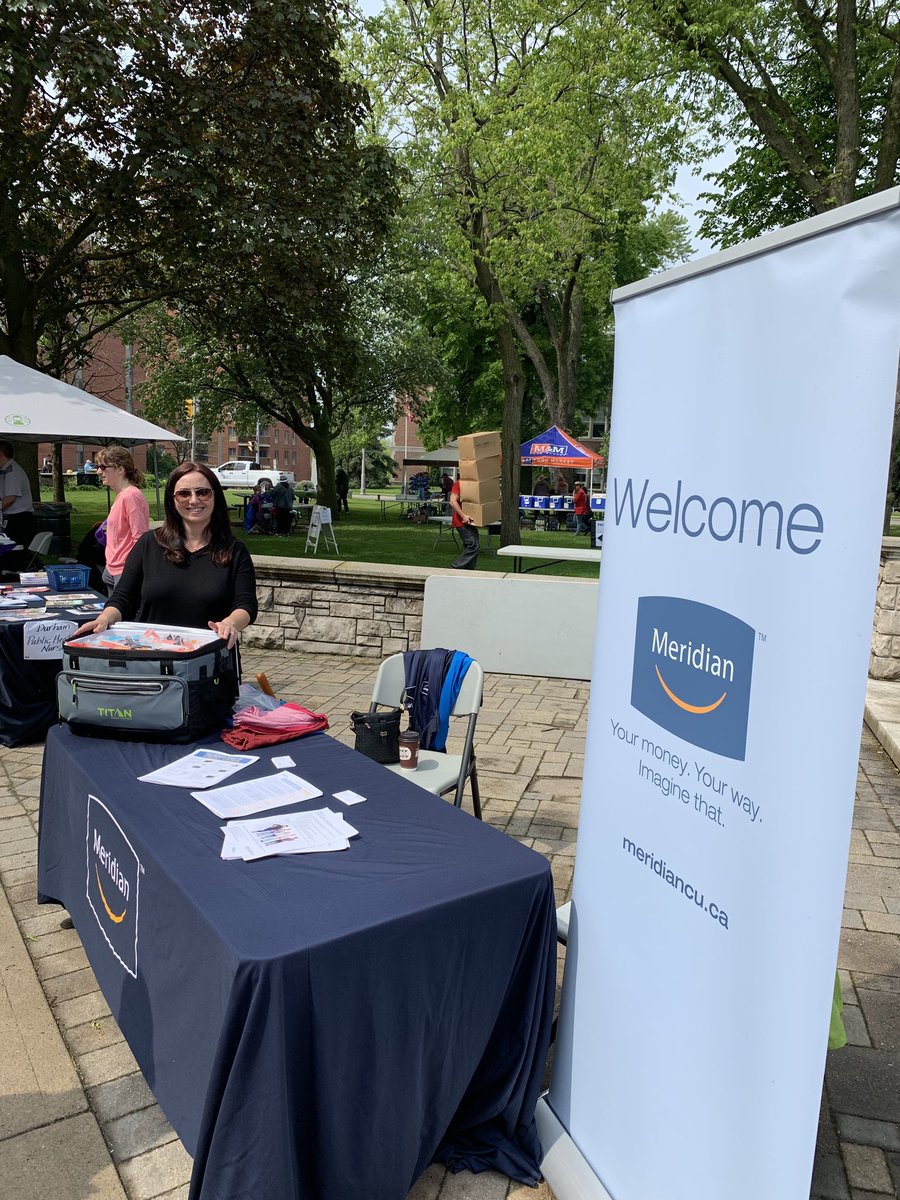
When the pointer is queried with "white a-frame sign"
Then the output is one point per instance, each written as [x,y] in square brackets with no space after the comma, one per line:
[320,524]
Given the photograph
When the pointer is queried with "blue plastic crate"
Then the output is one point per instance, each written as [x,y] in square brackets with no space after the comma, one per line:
[69,577]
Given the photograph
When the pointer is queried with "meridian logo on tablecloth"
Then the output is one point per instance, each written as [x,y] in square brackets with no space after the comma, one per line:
[113,883]
[692,670]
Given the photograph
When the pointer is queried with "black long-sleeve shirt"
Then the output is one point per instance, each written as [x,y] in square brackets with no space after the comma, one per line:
[153,590]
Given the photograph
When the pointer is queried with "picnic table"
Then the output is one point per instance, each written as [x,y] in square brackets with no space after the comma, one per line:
[402,500]
[552,555]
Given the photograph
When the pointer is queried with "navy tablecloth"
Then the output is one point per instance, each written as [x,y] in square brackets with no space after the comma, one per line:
[322,1026]
[28,689]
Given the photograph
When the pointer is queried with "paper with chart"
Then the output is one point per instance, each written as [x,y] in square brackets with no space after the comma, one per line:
[201,769]
[289,833]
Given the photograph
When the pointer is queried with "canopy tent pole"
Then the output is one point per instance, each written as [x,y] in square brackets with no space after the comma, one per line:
[156,477]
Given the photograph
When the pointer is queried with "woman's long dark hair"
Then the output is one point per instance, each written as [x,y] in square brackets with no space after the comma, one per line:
[171,534]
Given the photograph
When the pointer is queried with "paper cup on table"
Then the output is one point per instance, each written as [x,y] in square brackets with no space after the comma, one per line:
[409,750]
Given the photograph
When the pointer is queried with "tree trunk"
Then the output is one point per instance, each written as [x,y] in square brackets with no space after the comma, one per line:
[59,487]
[568,350]
[510,434]
[319,441]
[513,387]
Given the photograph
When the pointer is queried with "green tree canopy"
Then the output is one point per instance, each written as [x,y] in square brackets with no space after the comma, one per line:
[808,92]
[177,152]
[145,146]
[533,135]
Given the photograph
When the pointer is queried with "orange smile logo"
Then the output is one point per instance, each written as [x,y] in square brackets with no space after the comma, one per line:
[692,672]
[683,704]
[109,912]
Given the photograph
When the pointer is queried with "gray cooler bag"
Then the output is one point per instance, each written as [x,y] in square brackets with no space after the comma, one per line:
[154,695]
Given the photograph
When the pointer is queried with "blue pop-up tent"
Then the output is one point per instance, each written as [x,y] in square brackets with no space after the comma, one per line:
[554,448]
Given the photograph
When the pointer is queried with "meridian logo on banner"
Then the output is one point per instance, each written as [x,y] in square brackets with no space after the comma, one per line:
[113,883]
[692,670]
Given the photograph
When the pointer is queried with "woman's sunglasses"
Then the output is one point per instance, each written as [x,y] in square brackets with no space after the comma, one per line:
[186,493]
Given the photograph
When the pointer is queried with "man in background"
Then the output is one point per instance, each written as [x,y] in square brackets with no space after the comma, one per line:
[342,487]
[283,500]
[15,498]
[465,526]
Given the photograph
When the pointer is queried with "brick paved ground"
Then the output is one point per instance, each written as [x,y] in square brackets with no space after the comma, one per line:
[530,753]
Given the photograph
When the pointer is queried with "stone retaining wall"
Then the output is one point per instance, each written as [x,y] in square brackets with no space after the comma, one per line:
[375,609]
[367,609]
[884,662]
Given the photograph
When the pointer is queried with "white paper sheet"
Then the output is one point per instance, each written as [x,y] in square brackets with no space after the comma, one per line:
[257,795]
[201,769]
[349,797]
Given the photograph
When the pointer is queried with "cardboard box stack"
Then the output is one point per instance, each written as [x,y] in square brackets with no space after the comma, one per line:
[479,477]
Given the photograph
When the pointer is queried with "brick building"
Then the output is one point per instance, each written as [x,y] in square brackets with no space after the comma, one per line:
[112,376]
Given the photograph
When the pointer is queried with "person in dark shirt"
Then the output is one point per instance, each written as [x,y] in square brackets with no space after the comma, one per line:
[342,487]
[191,571]
[283,500]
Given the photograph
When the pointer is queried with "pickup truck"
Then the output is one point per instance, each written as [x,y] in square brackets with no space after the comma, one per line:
[244,473]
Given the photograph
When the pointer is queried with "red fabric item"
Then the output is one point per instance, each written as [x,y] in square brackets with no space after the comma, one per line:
[246,739]
[254,727]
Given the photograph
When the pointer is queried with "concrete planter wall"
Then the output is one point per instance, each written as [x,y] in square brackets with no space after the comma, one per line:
[884,662]
[367,609]
[375,609]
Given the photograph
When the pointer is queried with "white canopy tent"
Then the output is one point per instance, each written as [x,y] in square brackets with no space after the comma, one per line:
[37,408]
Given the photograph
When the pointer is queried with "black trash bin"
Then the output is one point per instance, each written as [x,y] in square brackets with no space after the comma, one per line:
[55,518]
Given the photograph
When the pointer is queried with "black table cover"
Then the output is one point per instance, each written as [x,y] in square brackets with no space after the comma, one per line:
[321,1026]
[28,688]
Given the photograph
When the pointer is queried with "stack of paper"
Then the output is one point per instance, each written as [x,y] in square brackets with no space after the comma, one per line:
[19,598]
[287,833]
[256,795]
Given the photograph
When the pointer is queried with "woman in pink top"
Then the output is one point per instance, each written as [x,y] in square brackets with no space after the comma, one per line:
[129,516]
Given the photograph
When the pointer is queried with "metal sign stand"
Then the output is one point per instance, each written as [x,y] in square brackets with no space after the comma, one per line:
[320,523]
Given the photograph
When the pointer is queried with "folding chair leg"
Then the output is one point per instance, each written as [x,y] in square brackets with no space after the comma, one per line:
[476,795]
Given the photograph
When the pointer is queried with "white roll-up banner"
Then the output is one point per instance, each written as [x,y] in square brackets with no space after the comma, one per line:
[752,415]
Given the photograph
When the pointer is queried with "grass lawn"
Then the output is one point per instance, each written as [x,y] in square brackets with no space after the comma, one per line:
[361,534]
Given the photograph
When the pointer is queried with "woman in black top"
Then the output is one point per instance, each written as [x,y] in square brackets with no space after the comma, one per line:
[191,571]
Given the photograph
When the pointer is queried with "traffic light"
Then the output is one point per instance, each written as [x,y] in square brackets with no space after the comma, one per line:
[189,409]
